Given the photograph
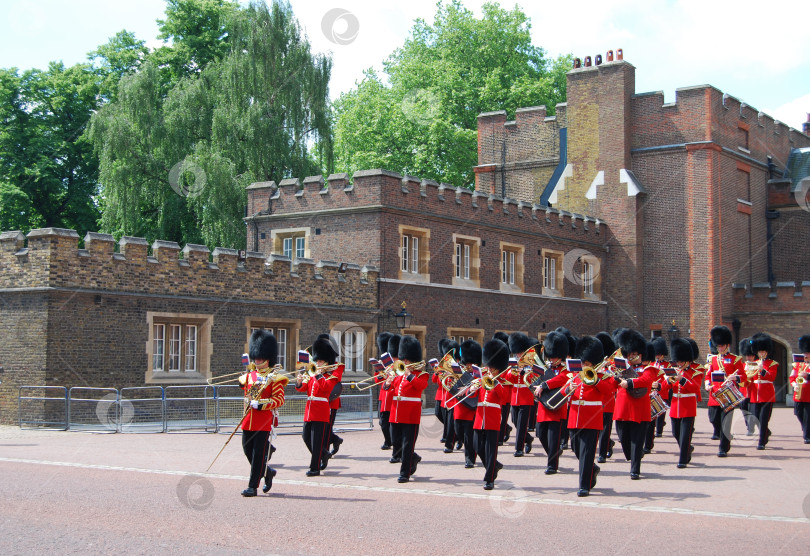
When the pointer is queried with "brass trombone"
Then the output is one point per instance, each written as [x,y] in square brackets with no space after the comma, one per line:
[486,381]
[216,381]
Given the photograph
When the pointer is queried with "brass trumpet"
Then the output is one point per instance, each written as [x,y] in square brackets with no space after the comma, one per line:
[401,368]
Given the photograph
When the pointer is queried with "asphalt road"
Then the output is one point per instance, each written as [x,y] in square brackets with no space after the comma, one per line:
[73,492]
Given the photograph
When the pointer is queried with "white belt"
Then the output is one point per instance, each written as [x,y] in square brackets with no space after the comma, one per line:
[683,395]
[584,402]
[519,385]
[763,382]
[489,404]
[404,399]
[316,399]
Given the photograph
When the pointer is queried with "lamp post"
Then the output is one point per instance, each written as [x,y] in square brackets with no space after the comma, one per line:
[673,332]
[403,318]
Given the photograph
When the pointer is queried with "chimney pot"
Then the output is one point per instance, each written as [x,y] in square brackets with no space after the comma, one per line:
[598,59]
[609,55]
[619,54]
[587,61]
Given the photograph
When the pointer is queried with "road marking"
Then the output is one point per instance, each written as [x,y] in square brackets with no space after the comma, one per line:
[426,492]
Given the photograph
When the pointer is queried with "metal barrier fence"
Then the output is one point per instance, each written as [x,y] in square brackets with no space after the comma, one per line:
[153,409]
[43,407]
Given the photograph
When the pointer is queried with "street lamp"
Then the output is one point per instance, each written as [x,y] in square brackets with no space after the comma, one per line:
[403,318]
[673,332]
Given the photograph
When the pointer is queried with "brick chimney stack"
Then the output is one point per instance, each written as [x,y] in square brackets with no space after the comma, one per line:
[806,125]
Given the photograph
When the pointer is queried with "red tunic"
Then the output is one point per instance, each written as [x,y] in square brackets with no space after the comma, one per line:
[441,393]
[805,394]
[386,396]
[318,390]
[731,364]
[520,394]
[488,412]
[609,394]
[407,399]
[684,397]
[761,387]
[695,374]
[272,397]
[633,409]
[587,404]
[543,414]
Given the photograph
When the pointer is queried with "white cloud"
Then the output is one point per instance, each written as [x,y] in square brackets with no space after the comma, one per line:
[793,113]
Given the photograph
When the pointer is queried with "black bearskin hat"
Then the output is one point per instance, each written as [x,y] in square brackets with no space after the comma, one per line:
[630,341]
[660,346]
[649,352]
[747,347]
[502,336]
[323,349]
[519,342]
[382,342]
[681,350]
[695,348]
[442,346]
[393,345]
[721,335]
[804,343]
[470,352]
[589,349]
[410,349]
[451,345]
[761,342]
[607,343]
[555,345]
[496,355]
[263,345]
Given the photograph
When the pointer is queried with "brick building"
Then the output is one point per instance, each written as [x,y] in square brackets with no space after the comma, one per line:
[467,264]
[705,200]
[124,317]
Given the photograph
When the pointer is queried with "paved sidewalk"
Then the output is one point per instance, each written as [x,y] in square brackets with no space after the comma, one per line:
[147,493]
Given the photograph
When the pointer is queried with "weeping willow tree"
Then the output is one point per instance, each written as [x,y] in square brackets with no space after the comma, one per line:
[174,160]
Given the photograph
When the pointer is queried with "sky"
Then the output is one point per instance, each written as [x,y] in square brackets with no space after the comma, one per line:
[754,51]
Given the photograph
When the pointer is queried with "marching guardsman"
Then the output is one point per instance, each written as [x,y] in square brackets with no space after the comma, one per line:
[761,390]
[384,409]
[661,361]
[491,395]
[550,422]
[722,367]
[632,413]
[522,398]
[264,390]
[606,443]
[318,387]
[450,346]
[334,402]
[565,437]
[585,412]
[406,411]
[506,430]
[440,396]
[464,411]
[698,371]
[684,388]
[798,380]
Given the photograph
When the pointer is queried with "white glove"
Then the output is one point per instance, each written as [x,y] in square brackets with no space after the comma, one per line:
[254,404]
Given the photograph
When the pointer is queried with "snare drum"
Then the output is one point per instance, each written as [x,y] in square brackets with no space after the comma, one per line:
[729,396]
[657,405]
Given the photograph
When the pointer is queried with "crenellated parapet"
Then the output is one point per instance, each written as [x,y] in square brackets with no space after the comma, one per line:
[384,190]
[50,258]
[769,298]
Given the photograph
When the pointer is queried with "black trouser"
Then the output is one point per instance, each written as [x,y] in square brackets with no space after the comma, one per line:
[505,410]
[315,439]
[604,436]
[385,426]
[405,435]
[449,428]
[549,433]
[745,407]
[631,436]
[256,448]
[464,432]
[486,442]
[661,421]
[649,437]
[438,411]
[565,436]
[762,415]
[722,423]
[332,436]
[520,417]
[583,442]
[682,429]
[802,412]
[533,417]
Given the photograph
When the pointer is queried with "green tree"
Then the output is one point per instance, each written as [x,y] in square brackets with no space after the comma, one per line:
[175,165]
[43,154]
[447,73]
[121,55]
